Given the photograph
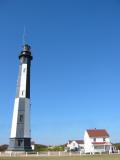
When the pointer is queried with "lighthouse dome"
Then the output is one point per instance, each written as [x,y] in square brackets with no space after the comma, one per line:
[26,52]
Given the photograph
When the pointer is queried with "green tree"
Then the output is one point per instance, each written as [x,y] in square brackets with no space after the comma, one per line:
[3,147]
[40,147]
[117,145]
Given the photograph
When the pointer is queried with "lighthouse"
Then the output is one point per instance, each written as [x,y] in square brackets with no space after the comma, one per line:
[20,138]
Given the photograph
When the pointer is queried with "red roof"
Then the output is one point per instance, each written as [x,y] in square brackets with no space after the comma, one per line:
[78,141]
[97,133]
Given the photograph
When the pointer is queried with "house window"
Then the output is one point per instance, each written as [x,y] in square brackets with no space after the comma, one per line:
[94,139]
[21,118]
[103,139]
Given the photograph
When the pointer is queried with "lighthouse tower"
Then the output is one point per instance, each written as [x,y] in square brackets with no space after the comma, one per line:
[20,138]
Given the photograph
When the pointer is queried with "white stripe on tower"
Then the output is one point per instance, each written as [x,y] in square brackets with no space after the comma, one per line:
[14,120]
[22,92]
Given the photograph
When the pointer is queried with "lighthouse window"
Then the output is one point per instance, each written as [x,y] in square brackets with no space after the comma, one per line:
[24,69]
[22,93]
[21,118]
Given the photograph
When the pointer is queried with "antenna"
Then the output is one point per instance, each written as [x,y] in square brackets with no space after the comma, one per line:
[24,36]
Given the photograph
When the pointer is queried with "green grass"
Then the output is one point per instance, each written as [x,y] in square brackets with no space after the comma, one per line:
[95,157]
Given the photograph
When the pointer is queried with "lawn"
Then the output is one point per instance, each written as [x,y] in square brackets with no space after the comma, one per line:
[95,157]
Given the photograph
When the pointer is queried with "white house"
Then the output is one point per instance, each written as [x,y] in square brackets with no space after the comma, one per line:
[97,140]
[75,145]
[33,145]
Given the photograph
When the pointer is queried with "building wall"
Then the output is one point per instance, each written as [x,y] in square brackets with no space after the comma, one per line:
[88,143]
[33,147]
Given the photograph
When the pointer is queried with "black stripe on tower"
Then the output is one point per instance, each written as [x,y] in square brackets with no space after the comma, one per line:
[28,83]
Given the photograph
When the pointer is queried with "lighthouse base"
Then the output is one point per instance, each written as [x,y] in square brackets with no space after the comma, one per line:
[20,144]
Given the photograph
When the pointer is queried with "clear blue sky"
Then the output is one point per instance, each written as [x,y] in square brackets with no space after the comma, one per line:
[75,74]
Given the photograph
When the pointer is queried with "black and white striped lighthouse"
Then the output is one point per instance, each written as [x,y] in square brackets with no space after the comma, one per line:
[20,138]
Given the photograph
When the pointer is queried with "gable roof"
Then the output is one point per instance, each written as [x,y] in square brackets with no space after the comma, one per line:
[97,133]
[77,141]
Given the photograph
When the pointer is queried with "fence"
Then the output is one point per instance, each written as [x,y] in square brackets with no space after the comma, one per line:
[47,154]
